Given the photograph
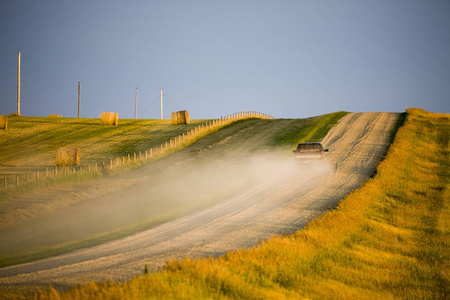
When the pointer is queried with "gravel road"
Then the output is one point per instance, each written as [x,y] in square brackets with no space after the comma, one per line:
[282,197]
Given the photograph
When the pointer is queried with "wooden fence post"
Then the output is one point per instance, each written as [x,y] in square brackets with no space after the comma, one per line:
[5,183]
[17,180]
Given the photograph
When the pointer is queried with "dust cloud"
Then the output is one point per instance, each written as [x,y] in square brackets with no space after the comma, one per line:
[161,192]
[212,181]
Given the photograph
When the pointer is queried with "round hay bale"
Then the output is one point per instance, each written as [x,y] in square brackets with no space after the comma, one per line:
[4,122]
[109,118]
[67,156]
[179,117]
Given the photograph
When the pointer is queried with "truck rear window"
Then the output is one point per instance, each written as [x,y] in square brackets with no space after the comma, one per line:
[309,148]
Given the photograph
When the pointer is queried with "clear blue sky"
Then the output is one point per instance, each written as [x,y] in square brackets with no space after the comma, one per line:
[289,59]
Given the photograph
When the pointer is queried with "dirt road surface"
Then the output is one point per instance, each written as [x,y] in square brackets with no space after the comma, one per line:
[256,195]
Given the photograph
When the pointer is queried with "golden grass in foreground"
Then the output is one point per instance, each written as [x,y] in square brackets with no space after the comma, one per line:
[387,240]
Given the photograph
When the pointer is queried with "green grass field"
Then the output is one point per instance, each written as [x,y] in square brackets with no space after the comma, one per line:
[388,240]
[32,141]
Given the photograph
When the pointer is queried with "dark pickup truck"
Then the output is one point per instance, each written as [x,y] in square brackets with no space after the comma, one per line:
[309,151]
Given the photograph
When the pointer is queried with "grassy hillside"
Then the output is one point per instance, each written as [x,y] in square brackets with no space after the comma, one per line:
[32,141]
[306,130]
[388,240]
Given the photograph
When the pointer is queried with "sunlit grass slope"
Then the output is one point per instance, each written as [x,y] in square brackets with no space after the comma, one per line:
[32,141]
[306,130]
[388,240]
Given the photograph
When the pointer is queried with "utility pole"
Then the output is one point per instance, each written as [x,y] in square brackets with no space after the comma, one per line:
[79,98]
[18,85]
[161,106]
[135,106]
